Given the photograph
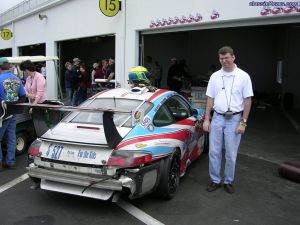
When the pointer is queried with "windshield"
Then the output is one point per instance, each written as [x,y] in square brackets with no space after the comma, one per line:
[120,119]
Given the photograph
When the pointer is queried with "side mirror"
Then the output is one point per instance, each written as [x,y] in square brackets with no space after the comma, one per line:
[195,112]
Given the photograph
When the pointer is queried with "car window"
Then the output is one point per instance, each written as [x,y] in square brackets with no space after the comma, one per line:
[163,117]
[178,108]
[123,119]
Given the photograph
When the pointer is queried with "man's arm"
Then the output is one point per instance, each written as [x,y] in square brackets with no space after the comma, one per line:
[247,107]
[209,107]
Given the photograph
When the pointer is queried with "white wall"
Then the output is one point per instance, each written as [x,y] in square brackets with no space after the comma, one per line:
[78,19]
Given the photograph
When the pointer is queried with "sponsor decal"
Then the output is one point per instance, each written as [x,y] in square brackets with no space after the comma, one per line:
[140,145]
[214,15]
[172,21]
[276,8]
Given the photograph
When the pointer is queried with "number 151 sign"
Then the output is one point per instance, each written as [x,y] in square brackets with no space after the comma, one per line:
[110,7]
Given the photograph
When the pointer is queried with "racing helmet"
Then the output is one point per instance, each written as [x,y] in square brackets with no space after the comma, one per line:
[139,75]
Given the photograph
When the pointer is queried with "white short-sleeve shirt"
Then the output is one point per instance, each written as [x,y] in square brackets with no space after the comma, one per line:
[228,89]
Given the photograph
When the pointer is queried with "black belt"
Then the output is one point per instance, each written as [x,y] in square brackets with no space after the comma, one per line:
[223,114]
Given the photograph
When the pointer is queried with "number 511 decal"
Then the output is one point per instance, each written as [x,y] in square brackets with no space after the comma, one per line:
[110,7]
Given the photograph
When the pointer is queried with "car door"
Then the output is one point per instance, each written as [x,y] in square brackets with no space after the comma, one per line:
[175,116]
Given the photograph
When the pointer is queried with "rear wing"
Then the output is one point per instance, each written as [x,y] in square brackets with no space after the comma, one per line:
[52,111]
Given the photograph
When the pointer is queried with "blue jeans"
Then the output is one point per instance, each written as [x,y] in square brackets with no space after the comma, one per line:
[223,130]
[8,130]
[75,98]
[69,92]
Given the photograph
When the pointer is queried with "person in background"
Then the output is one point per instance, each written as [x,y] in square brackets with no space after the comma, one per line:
[150,67]
[95,67]
[101,71]
[229,93]
[35,85]
[43,69]
[157,74]
[174,76]
[110,72]
[84,84]
[75,82]
[69,83]
[11,90]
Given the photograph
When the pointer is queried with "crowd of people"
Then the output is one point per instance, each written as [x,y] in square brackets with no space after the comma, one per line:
[80,81]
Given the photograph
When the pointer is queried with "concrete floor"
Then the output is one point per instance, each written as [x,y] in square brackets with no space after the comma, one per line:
[262,197]
[271,137]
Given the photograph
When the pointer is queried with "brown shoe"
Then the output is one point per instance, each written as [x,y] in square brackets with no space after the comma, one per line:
[9,166]
[212,187]
[229,188]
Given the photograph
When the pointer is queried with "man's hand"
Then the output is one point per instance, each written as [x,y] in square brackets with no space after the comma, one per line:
[241,129]
[206,126]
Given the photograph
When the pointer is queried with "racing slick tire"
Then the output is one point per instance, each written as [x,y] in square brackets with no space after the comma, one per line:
[21,143]
[169,178]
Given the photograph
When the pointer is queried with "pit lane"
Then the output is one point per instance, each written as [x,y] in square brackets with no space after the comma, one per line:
[262,197]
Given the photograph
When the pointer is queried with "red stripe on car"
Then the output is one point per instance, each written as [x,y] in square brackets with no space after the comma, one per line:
[180,135]
[156,94]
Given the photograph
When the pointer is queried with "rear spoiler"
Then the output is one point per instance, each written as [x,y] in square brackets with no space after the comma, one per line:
[53,110]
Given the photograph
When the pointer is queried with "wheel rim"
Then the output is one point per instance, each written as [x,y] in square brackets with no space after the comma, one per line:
[174,176]
[20,144]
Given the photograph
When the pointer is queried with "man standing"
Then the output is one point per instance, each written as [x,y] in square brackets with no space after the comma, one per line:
[229,94]
[174,76]
[11,90]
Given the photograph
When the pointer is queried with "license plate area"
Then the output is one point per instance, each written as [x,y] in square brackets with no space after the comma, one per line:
[74,153]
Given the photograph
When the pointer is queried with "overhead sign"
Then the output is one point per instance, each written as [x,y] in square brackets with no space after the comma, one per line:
[110,7]
[6,34]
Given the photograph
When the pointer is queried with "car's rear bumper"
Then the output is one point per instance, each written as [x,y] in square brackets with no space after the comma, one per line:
[138,181]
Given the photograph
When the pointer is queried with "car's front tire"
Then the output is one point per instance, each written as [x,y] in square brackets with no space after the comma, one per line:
[169,178]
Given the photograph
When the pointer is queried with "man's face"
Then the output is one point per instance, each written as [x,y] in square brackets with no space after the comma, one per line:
[111,62]
[227,60]
[104,63]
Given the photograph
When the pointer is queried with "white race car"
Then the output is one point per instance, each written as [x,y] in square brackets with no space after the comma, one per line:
[132,141]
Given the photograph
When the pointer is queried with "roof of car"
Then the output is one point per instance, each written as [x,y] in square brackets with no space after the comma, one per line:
[129,94]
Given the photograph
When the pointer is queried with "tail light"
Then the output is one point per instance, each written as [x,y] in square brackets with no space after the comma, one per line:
[124,158]
[34,149]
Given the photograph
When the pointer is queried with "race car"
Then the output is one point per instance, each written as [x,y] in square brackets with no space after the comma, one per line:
[120,141]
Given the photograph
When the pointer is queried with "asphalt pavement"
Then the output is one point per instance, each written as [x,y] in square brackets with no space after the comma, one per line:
[262,197]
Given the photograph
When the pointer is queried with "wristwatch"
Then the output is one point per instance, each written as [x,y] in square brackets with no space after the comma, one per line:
[244,121]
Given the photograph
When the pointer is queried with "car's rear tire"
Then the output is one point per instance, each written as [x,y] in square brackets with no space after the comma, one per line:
[21,143]
[169,179]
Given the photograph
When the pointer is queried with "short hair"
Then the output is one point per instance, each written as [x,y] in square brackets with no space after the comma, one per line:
[28,65]
[226,49]
[68,64]
[5,66]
